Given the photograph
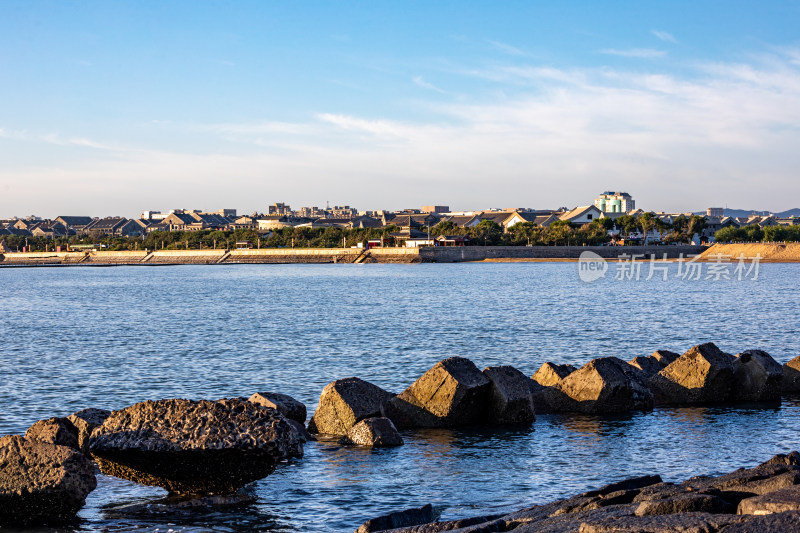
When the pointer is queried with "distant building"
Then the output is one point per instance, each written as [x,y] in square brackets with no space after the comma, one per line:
[435,208]
[715,212]
[582,215]
[279,208]
[615,202]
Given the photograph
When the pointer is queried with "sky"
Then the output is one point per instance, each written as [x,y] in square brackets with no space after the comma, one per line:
[117,107]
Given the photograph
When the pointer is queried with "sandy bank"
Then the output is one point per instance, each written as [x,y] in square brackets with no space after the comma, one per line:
[769,252]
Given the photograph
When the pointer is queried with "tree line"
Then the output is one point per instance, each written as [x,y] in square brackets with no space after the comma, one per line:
[486,233]
[755,233]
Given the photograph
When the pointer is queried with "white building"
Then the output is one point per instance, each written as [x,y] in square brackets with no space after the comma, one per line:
[615,202]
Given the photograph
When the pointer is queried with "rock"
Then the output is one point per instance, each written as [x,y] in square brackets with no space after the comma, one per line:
[665,357]
[511,400]
[465,525]
[85,421]
[626,484]
[398,519]
[684,503]
[194,446]
[286,405]
[55,431]
[344,403]
[777,501]
[374,432]
[181,506]
[685,523]
[301,429]
[542,402]
[771,523]
[791,376]
[452,393]
[757,377]
[745,483]
[603,385]
[702,375]
[792,458]
[647,365]
[41,482]
[550,373]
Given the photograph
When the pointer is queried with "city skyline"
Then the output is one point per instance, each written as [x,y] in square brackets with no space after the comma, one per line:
[114,109]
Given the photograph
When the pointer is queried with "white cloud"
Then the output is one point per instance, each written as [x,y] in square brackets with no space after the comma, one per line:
[676,142]
[664,36]
[506,48]
[644,53]
[425,85]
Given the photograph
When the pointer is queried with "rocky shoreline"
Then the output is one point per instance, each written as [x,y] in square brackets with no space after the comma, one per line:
[204,452]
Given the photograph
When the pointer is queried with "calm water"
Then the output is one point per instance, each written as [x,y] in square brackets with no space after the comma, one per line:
[81,337]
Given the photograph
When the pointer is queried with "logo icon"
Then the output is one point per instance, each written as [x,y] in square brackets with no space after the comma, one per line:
[591,267]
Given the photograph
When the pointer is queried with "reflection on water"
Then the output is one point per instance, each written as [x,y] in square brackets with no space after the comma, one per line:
[88,337]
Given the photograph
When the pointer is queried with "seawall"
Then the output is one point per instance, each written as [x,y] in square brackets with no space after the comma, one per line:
[341,255]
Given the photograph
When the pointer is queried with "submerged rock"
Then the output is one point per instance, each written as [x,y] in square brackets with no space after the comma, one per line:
[703,374]
[286,405]
[604,385]
[375,432]
[345,402]
[452,393]
[550,374]
[757,378]
[510,397]
[194,446]
[86,421]
[55,431]
[41,482]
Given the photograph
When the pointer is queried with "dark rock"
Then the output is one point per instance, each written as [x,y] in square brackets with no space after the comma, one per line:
[702,375]
[685,523]
[398,519]
[792,458]
[55,431]
[777,501]
[544,398]
[604,385]
[647,365]
[86,421]
[665,357]
[511,400]
[345,402]
[757,377]
[791,376]
[465,525]
[374,432]
[41,482]
[772,523]
[176,505]
[550,374]
[685,503]
[567,523]
[452,393]
[745,483]
[626,484]
[301,429]
[194,446]
[286,405]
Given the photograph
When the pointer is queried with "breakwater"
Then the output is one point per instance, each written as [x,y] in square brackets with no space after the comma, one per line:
[339,255]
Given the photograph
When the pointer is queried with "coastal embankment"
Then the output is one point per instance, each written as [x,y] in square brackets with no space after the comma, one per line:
[770,252]
[341,255]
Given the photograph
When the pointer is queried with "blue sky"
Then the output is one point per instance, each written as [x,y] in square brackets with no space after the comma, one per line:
[119,107]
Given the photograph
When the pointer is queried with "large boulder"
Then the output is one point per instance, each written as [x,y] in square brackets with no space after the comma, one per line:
[603,385]
[41,482]
[654,363]
[550,374]
[452,393]
[374,432]
[286,405]
[398,519]
[757,378]
[189,446]
[54,430]
[511,398]
[703,374]
[778,501]
[791,376]
[344,403]
[85,421]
